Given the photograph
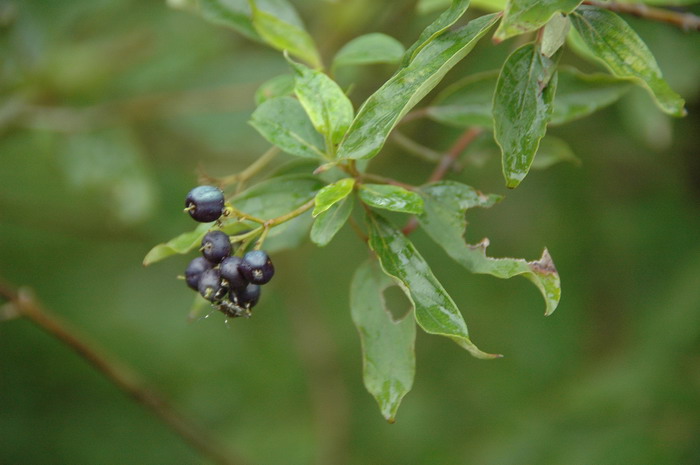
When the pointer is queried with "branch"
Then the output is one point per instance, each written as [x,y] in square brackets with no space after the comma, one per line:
[685,21]
[26,305]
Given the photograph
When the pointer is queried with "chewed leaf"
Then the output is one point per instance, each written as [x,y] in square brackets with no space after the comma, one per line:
[392,198]
[332,194]
[611,40]
[522,106]
[382,111]
[435,311]
[327,224]
[444,221]
[369,49]
[388,356]
[527,15]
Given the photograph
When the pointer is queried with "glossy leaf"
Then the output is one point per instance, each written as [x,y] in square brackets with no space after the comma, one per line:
[283,122]
[467,102]
[580,94]
[551,151]
[435,311]
[328,107]
[277,196]
[327,224]
[521,16]
[444,220]
[437,27]
[385,108]
[331,194]
[278,86]
[388,346]
[285,33]
[522,107]
[554,34]
[369,49]
[388,197]
[614,42]
[234,14]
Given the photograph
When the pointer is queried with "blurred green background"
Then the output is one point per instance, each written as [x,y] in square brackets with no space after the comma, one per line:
[108,108]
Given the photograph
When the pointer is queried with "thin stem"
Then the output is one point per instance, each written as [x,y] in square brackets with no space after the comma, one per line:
[118,373]
[233,211]
[291,215]
[253,169]
[414,148]
[685,21]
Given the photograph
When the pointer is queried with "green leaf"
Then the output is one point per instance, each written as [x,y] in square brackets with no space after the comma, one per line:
[234,14]
[289,235]
[385,108]
[278,86]
[277,196]
[616,44]
[580,94]
[553,150]
[522,16]
[467,102]
[388,346]
[435,311]
[522,107]
[428,6]
[328,223]
[437,27]
[444,220]
[328,107]
[331,194]
[369,49]
[390,197]
[285,33]
[283,122]
[554,35]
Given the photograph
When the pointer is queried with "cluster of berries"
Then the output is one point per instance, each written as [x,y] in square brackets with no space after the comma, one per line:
[231,283]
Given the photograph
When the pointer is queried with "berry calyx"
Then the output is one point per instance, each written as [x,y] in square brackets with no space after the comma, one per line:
[246,297]
[210,285]
[194,271]
[257,267]
[231,273]
[216,246]
[205,203]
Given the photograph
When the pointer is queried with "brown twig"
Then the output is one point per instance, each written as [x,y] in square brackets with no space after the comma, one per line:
[26,305]
[446,162]
[685,21]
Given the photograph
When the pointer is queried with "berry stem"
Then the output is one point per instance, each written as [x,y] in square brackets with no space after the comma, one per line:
[291,215]
[253,169]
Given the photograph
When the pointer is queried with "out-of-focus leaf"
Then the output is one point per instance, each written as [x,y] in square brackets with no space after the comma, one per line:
[283,122]
[661,2]
[284,33]
[428,6]
[554,35]
[277,196]
[392,198]
[553,150]
[331,194]
[289,235]
[383,109]
[522,107]
[328,107]
[388,346]
[234,14]
[580,94]
[437,27]
[327,224]
[435,311]
[369,49]
[444,220]
[616,44]
[467,102]
[527,15]
[278,86]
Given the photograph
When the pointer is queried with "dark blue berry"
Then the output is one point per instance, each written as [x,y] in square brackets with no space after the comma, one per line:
[246,297]
[210,285]
[194,270]
[216,246]
[205,203]
[256,267]
[231,273]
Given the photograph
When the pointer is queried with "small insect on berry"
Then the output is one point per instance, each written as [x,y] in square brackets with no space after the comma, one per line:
[216,246]
[194,271]
[231,273]
[210,285]
[257,267]
[205,203]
